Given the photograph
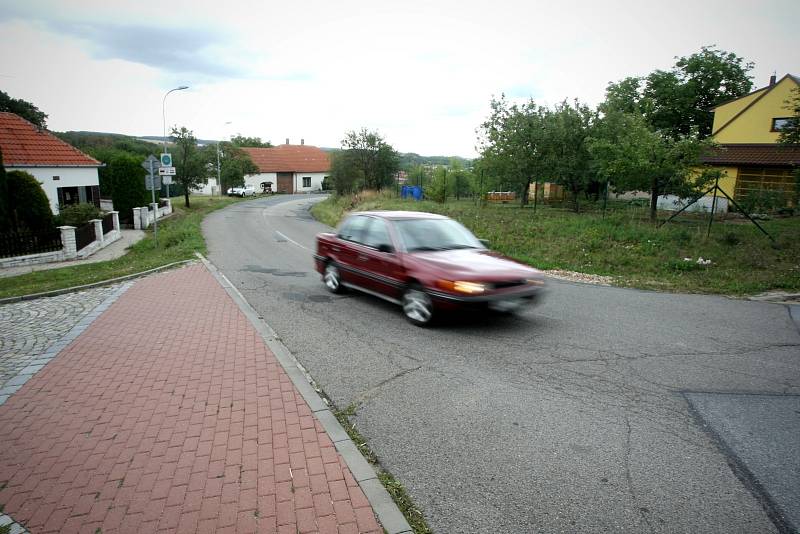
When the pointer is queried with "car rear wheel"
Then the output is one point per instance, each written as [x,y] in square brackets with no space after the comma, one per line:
[417,306]
[332,278]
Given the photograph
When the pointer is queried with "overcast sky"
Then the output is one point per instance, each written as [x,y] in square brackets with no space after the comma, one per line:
[422,73]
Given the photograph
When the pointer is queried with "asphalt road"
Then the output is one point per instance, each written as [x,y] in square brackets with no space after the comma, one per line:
[570,417]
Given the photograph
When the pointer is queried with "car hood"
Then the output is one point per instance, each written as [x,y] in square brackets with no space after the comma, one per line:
[472,264]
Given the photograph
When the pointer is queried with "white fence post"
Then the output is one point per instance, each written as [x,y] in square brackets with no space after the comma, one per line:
[137,218]
[115,219]
[98,230]
[68,242]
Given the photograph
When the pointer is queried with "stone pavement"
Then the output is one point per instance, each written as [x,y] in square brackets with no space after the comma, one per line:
[170,414]
[30,327]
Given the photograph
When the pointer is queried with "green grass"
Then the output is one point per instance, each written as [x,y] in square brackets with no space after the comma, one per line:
[398,493]
[623,244]
[179,236]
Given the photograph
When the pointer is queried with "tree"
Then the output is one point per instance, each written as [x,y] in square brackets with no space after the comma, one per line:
[191,170]
[790,134]
[568,128]
[28,203]
[24,109]
[125,176]
[630,154]
[240,140]
[367,156]
[678,102]
[344,176]
[234,164]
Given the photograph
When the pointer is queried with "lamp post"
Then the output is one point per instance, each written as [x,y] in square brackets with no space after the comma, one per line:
[219,174]
[164,117]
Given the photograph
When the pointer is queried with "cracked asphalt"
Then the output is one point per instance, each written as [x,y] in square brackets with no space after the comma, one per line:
[570,417]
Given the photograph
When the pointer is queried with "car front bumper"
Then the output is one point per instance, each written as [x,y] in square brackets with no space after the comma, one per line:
[501,300]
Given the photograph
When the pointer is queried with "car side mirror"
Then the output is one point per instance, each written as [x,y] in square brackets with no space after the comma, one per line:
[385,248]
[484,242]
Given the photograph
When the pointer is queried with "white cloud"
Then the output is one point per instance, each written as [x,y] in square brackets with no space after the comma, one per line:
[422,73]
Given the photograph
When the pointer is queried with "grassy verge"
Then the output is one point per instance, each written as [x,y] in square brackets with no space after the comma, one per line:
[621,244]
[179,236]
[398,493]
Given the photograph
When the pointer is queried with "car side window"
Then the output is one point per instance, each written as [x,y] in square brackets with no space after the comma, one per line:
[377,234]
[353,228]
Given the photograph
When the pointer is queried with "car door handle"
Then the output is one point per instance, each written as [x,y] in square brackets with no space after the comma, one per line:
[361,257]
[336,249]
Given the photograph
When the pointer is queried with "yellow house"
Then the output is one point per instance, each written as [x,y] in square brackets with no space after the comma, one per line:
[747,130]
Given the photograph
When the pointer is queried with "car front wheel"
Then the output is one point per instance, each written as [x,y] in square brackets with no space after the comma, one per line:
[417,306]
[332,278]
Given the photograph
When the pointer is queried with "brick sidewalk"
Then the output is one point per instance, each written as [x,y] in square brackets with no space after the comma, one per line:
[170,414]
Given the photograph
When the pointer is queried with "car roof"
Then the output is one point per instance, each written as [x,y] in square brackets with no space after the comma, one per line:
[399,215]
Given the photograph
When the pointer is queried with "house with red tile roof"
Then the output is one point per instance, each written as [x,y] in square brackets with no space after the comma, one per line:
[67,175]
[289,168]
[747,131]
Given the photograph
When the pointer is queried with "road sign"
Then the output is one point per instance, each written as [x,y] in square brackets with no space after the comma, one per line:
[166,180]
[152,183]
[166,171]
[151,163]
[166,160]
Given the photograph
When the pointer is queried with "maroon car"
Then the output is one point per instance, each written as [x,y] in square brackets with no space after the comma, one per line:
[424,262]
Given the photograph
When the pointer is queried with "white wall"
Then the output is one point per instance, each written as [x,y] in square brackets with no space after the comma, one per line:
[673,203]
[256,179]
[205,189]
[68,177]
[316,181]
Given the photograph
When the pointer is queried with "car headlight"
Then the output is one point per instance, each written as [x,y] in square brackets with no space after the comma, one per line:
[461,286]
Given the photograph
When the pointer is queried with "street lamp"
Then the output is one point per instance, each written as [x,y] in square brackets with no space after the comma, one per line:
[164,117]
[219,174]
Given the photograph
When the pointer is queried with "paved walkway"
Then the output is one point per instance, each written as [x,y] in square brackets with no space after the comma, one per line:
[113,251]
[30,327]
[170,414]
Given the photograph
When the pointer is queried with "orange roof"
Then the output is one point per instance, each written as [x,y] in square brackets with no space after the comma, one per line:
[290,158]
[25,145]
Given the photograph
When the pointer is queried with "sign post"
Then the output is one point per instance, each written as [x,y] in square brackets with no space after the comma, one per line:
[152,180]
[166,162]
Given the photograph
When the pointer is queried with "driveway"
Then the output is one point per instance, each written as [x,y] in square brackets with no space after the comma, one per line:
[571,417]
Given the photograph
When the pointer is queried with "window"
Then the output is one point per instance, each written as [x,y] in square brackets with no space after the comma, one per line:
[782,123]
[377,234]
[56,178]
[353,228]
[306,181]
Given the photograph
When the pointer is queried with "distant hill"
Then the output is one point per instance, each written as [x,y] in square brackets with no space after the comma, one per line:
[91,142]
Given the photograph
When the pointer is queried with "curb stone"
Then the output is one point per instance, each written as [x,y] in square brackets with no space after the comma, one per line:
[385,509]
[15,383]
[7,521]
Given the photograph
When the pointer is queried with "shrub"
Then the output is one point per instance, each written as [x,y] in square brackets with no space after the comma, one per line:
[28,204]
[77,214]
[127,176]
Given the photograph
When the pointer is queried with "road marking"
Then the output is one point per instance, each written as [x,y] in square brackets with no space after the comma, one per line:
[280,236]
[290,240]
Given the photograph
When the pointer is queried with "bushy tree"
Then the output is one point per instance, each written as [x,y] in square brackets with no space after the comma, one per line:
[191,169]
[234,164]
[24,109]
[125,174]
[628,153]
[365,161]
[28,204]
[678,102]
[5,222]
[790,135]
[240,140]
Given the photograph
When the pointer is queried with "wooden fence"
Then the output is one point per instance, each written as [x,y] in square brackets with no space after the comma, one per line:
[24,243]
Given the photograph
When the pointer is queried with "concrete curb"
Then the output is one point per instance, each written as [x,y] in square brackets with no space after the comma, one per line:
[389,515]
[15,383]
[56,292]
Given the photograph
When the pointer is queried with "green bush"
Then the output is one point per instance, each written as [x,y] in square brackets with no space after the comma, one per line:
[764,201]
[28,204]
[77,214]
[127,176]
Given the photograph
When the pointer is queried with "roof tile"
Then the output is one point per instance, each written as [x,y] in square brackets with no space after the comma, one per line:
[24,144]
[290,158]
[754,154]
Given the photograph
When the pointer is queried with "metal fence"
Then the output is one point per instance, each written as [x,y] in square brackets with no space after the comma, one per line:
[84,236]
[23,243]
[108,223]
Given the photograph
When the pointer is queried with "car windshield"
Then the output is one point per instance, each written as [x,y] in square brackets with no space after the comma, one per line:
[434,234]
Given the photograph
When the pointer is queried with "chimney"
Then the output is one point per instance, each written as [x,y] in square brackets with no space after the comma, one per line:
[302,141]
[772,79]
[287,140]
